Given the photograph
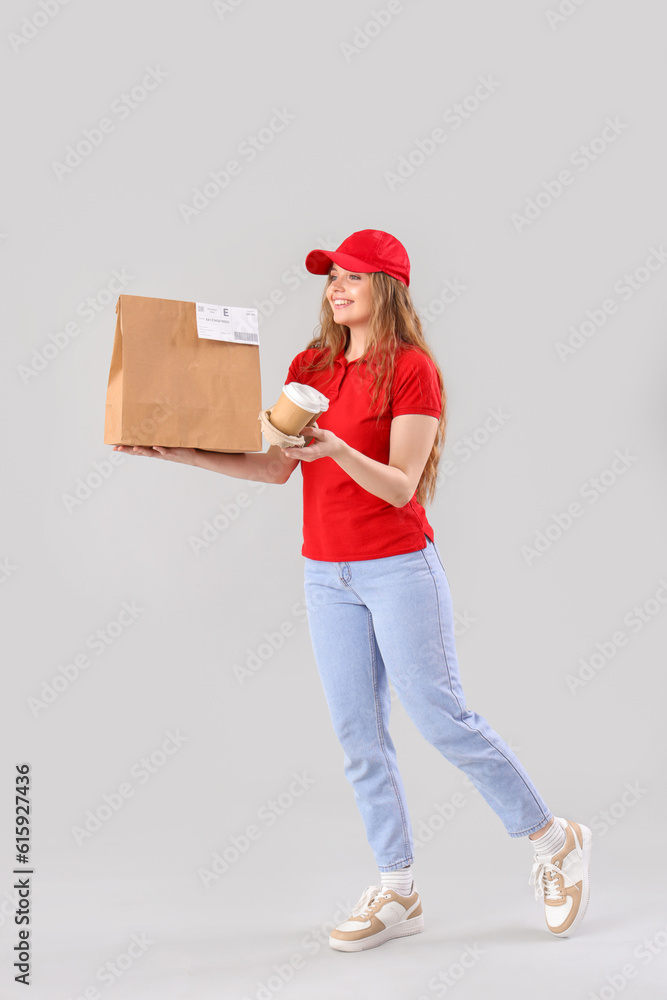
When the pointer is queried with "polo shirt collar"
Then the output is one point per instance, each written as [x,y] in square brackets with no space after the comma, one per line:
[340,359]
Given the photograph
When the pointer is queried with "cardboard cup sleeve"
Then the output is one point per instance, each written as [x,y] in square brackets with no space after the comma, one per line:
[274,436]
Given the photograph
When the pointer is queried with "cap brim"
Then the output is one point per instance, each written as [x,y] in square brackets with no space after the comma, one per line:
[319,262]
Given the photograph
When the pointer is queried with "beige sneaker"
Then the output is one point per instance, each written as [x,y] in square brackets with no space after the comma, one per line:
[563,879]
[380,914]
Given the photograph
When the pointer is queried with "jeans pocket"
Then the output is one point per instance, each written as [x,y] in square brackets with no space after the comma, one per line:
[434,548]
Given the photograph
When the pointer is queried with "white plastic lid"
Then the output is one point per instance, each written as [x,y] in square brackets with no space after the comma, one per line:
[307,397]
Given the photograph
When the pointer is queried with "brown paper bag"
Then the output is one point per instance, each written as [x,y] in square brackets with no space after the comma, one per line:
[169,386]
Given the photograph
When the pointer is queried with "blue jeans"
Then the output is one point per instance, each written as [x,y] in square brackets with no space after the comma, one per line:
[391,618]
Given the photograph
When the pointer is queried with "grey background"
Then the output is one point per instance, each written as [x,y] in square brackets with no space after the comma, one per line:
[66,572]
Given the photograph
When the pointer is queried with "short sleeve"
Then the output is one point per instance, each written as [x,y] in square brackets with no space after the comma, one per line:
[293,374]
[416,386]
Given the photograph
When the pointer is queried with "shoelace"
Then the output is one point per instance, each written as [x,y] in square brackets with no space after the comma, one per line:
[548,880]
[371,895]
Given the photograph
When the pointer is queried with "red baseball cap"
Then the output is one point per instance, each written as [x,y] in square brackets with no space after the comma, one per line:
[365,251]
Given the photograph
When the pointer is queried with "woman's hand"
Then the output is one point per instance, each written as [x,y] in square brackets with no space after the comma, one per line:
[324,442]
[184,455]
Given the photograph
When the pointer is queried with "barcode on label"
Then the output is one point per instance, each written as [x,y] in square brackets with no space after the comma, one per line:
[252,338]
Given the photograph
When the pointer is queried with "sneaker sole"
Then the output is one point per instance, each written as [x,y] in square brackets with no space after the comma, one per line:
[413,925]
[587,840]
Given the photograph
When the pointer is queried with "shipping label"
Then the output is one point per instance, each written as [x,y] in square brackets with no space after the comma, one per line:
[238,324]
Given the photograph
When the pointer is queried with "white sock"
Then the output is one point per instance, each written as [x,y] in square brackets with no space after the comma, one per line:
[400,880]
[550,842]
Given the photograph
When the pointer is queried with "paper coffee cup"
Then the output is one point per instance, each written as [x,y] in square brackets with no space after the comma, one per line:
[297,406]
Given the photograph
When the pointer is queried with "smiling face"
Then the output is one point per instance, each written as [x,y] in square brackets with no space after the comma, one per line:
[349,295]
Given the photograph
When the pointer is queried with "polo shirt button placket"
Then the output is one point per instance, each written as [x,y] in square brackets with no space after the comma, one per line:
[333,391]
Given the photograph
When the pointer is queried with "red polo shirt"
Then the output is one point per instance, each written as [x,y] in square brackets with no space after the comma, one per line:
[341,520]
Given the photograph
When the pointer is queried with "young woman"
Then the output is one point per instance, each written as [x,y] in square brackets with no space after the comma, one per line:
[378,599]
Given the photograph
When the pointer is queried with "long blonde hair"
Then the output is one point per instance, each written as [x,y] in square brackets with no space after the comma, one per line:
[393,322]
